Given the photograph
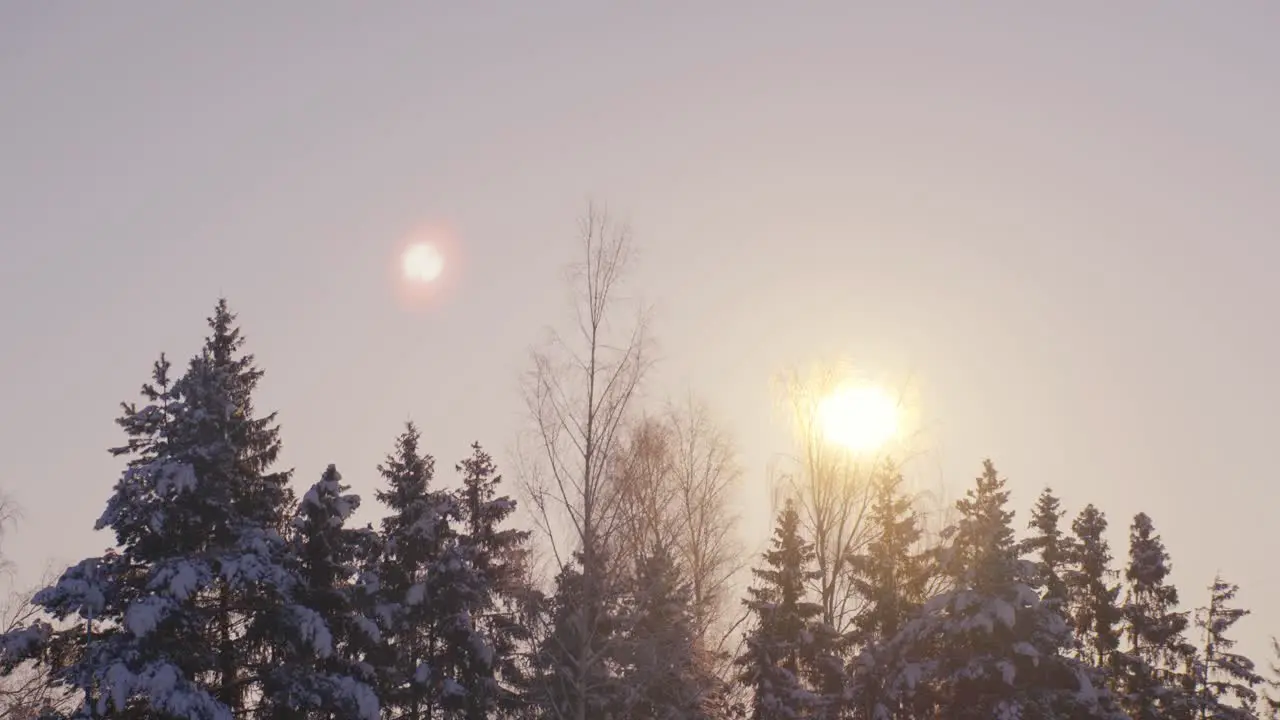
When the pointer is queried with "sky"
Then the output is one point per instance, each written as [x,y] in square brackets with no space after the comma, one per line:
[1054,224]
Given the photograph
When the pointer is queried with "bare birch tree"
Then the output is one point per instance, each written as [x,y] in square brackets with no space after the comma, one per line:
[27,690]
[833,490]
[706,474]
[645,472]
[679,472]
[579,396]
[677,476]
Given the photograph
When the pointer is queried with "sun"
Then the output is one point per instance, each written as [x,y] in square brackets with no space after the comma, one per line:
[859,418]
[422,263]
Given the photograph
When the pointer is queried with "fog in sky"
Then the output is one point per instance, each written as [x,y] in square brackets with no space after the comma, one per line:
[1055,222]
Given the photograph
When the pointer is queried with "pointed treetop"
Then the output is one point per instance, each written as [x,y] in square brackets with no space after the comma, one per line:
[407,468]
[1046,513]
[1094,608]
[984,539]
[1090,523]
[1148,559]
[225,339]
[1049,542]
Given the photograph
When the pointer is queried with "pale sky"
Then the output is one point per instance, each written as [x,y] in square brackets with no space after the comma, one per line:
[1056,221]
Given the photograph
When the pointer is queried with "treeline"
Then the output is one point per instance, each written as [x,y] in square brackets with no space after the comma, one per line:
[226,595]
[988,625]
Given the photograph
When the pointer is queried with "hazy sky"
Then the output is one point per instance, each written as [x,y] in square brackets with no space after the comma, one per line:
[1055,221]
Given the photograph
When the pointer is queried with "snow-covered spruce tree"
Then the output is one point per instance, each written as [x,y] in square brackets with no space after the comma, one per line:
[1154,661]
[416,535]
[989,648]
[1051,546]
[86,591]
[663,671]
[779,650]
[891,575]
[1093,593]
[197,516]
[571,670]
[1226,682]
[487,640]
[326,676]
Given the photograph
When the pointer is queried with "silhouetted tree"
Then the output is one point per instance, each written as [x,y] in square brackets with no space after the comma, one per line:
[1157,654]
[490,635]
[579,395]
[415,536]
[1051,546]
[989,647]
[571,663]
[779,645]
[1093,597]
[1226,681]
[891,574]
[663,670]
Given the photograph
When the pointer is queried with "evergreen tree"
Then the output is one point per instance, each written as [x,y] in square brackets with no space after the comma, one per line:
[662,668]
[327,678]
[824,669]
[244,512]
[178,613]
[1093,597]
[989,648]
[488,666]
[892,576]
[1225,681]
[1052,547]
[569,664]
[777,648]
[415,536]
[1154,662]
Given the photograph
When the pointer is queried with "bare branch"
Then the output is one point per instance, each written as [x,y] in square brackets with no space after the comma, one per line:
[833,491]
[29,689]
[579,395]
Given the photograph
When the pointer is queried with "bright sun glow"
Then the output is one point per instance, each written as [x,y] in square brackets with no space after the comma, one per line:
[422,263]
[859,418]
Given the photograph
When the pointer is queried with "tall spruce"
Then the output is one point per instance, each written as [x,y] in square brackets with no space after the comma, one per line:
[327,677]
[1093,594]
[891,575]
[778,647]
[1226,681]
[1051,546]
[662,667]
[990,647]
[175,621]
[489,668]
[415,534]
[1157,655]
[571,672]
